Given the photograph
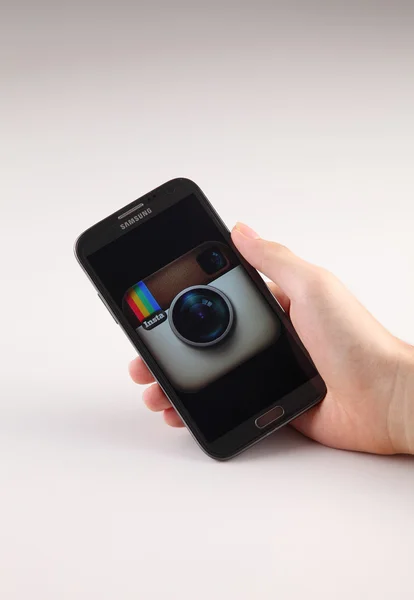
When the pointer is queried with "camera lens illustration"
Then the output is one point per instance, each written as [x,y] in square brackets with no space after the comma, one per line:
[211,261]
[217,260]
[201,316]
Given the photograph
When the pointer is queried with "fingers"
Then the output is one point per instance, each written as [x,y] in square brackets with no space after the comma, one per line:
[172,418]
[139,371]
[155,399]
[273,260]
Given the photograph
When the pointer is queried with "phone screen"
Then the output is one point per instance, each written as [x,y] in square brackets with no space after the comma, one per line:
[191,302]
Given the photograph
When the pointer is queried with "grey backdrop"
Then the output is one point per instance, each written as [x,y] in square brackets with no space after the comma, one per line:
[296,117]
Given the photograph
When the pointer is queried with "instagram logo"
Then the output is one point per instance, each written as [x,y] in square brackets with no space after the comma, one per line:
[201,316]
[144,306]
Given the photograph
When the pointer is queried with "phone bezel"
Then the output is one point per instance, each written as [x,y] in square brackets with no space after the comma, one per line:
[247,433]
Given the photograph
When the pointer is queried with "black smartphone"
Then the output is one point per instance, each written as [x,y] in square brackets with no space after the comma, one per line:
[203,320]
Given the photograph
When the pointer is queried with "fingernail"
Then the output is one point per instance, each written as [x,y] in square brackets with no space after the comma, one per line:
[247,231]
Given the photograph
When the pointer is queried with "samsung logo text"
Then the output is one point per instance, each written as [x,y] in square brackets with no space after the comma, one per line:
[136,218]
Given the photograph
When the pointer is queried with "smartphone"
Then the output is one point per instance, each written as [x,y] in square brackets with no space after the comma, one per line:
[203,320]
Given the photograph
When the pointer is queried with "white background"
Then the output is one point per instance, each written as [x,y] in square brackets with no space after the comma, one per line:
[297,118]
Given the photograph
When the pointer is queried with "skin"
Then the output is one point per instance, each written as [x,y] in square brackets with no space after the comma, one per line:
[369,373]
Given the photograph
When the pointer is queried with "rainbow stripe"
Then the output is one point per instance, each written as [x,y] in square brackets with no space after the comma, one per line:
[141,301]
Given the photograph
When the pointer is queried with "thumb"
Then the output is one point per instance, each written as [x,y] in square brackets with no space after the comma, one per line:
[275,261]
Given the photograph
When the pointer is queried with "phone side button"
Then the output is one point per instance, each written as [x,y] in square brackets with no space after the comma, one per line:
[269,417]
[110,311]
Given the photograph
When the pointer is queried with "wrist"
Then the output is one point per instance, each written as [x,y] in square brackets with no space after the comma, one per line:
[401,416]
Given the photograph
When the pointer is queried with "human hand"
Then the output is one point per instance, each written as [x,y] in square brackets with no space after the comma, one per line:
[369,373]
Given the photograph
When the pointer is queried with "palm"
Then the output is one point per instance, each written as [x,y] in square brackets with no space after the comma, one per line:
[359,372]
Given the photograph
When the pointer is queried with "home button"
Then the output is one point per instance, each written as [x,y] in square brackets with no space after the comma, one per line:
[269,416]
